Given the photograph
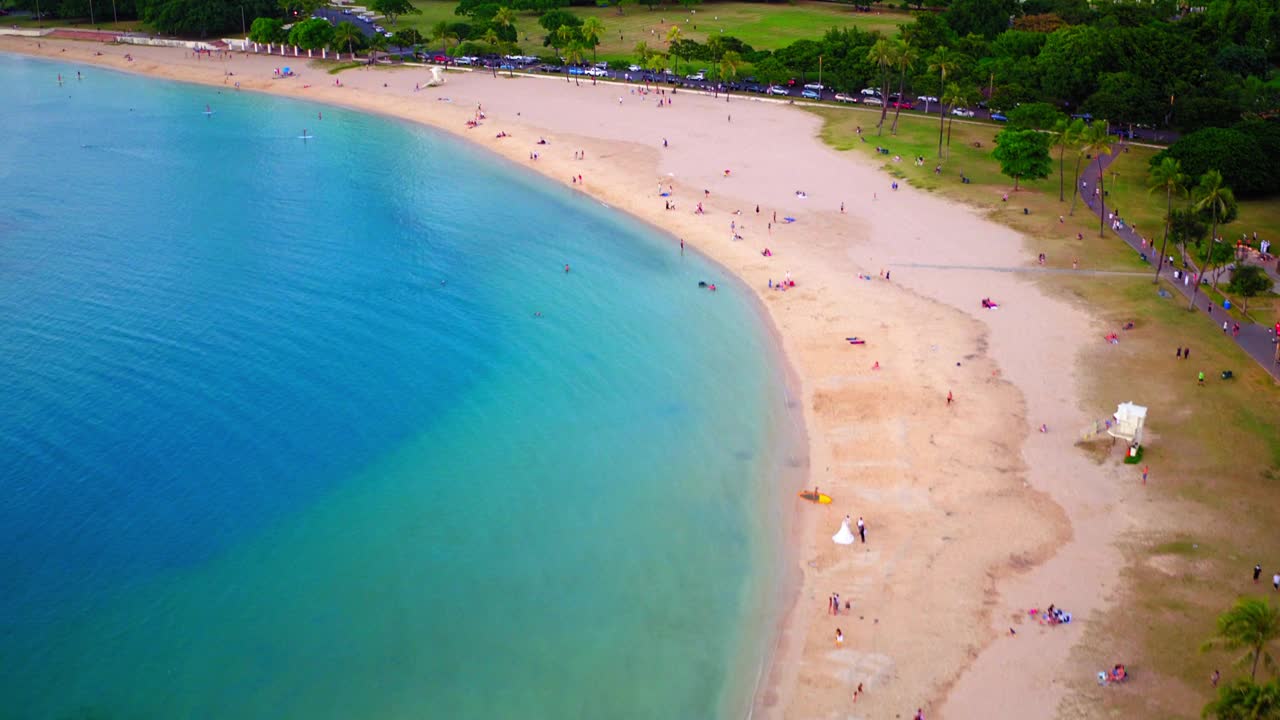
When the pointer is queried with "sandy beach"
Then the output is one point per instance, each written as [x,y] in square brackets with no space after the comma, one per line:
[972,515]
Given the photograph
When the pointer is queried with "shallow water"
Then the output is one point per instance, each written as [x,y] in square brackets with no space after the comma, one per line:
[283,437]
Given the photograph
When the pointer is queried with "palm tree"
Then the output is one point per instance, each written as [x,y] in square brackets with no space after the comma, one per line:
[730,65]
[943,62]
[591,31]
[906,57]
[1245,700]
[1166,176]
[505,17]
[441,33]
[654,63]
[1097,141]
[1218,198]
[377,43]
[673,37]
[953,97]
[1252,624]
[1067,136]
[881,53]
[1076,135]
[346,33]
[572,55]
[492,40]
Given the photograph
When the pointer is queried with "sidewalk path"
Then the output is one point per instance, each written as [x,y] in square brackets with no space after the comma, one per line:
[1256,340]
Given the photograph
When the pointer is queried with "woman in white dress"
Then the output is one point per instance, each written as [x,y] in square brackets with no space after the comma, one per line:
[845,536]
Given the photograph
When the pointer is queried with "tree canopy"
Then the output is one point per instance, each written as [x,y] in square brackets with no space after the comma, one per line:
[1023,154]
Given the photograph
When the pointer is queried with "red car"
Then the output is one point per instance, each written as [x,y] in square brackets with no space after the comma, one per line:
[904,104]
[440,59]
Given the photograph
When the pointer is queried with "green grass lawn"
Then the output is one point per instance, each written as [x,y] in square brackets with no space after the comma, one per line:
[764,27]
[78,23]
[1214,451]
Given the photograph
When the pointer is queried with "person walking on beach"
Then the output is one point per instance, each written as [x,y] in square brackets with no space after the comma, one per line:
[1214,678]
[862,530]
[839,638]
[950,398]
[1145,469]
[1275,581]
[1186,353]
[1257,572]
[1200,378]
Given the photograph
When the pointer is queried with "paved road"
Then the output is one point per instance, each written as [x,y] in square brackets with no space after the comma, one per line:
[1259,341]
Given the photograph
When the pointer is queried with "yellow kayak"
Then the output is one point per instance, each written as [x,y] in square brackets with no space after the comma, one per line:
[820,498]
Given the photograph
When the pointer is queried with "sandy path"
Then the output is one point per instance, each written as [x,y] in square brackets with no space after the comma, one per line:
[965,505]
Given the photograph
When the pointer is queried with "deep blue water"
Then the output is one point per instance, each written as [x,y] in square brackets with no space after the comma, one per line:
[283,437]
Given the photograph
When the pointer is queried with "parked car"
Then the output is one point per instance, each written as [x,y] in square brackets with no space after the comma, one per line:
[574,70]
[814,86]
[904,104]
[634,68]
[602,65]
[999,116]
[777,90]
[440,59]
[872,101]
[871,92]
[927,99]
[843,97]
[700,75]
[596,72]
[811,94]
[962,112]
[388,34]
[347,11]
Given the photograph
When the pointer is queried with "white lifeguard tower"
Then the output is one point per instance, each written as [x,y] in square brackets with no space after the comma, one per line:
[1129,422]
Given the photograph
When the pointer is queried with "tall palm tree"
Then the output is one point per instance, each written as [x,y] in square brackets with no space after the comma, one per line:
[1068,135]
[730,65]
[493,41]
[505,17]
[441,33]
[573,54]
[1076,135]
[1096,141]
[590,32]
[1166,176]
[906,56]
[346,33]
[1216,197]
[673,36]
[955,96]
[1253,624]
[654,63]
[881,53]
[944,62]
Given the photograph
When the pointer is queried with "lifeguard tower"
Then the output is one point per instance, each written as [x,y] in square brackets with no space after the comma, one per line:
[1129,422]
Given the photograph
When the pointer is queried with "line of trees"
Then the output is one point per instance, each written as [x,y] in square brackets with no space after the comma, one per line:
[1252,625]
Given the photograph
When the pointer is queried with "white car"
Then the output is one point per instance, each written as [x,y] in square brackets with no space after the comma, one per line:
[927,99]
[634,68]
[700,75]
[777,90]
[872,101]
[388,34]
[962,112]
[595,72]
[871,92]
[464,60]
[842,97]
[814,86]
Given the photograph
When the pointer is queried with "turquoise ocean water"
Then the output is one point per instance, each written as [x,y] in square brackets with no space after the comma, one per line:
[283,438]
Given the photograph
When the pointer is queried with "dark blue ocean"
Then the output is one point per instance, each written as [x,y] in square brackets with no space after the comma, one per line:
[283,436]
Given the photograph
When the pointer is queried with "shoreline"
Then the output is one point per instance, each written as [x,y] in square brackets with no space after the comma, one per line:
[802,677]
